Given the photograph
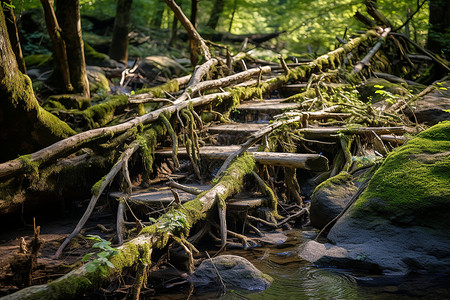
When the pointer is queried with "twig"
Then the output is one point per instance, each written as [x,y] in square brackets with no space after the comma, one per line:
[108,179]
[224,287]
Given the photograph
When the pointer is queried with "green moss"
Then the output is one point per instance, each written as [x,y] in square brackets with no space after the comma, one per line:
[101,114]
[38,60]
[412,185]
[96,187]
[92,55]
[339,179]
[28,165]
[158,91]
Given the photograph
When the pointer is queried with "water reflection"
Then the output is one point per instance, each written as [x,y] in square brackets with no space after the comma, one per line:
[295,278]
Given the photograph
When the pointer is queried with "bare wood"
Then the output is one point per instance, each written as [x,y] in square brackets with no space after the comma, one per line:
[365,61]
[296,215]
[59,45]
[313,162]
[109,177]
[221,207]
[120,221]
[222,82]
[329,132]
[399,140]
[187,189]
[252,140]
[75,142]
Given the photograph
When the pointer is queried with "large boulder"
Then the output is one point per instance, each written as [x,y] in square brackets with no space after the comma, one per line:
[329,199]
[401,223]
[97,80]
[152,66]
[235,271]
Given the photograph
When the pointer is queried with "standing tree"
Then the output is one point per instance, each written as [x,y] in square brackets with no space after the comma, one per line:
[13,33]
[26,126]
[68,15]
[158,13]
[119,45]
[439,27]
[216,12]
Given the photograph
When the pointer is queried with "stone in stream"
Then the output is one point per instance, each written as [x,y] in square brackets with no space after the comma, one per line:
[235,271]
[401,222]
[330,197]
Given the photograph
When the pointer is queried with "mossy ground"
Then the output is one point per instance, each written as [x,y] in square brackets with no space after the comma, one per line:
[412,186]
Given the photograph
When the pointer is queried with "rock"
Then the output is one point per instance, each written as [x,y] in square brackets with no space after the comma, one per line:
[95,58]
[97,80]
[235,271]
[368,90]
[330,198]
[431,109]
[401,222]
[152,66]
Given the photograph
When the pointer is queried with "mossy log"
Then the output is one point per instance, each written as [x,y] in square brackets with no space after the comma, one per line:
[139,249]
[75,142]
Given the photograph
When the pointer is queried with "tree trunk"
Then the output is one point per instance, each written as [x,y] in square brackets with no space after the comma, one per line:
[11,25]
[439,24]
[68,15]
[215,14]
[194,11]
[59,47]
[26,127]
[119,45]
[157,16]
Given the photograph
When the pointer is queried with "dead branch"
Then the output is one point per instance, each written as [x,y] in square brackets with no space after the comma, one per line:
[365,61]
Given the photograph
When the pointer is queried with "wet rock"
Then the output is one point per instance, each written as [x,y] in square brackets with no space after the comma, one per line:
[152,66]
[330,198]
[95,58]
[401,222]
[431,109]
[97,80]
[235,271]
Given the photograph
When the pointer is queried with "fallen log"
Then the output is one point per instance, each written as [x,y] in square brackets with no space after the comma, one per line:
[71,144]
[138,250]
[314,162]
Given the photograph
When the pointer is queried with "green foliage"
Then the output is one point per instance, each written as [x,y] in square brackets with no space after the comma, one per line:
[174,222]
[101,262]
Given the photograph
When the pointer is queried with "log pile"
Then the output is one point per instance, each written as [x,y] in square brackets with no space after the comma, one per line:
[293,141]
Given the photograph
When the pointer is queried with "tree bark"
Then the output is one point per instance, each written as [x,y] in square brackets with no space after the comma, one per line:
[68,15]
[11,25]
[26,126]
[157,16]
[59,46]
[439,24]
[215,14]
[119,45]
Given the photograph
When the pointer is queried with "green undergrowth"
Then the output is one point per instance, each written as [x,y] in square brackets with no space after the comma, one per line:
[412,186]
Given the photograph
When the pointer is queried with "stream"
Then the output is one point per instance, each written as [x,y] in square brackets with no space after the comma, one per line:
[295,278]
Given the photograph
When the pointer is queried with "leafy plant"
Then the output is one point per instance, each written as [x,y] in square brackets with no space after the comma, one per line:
[390,98]
[101,262]
[173,222]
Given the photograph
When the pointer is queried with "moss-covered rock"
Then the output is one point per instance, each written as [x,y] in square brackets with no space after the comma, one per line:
[330,197]
[38,60]
[413,185]
[98,83]
[377,89]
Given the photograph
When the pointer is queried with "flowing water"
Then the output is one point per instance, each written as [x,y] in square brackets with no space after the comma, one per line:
[295,278]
